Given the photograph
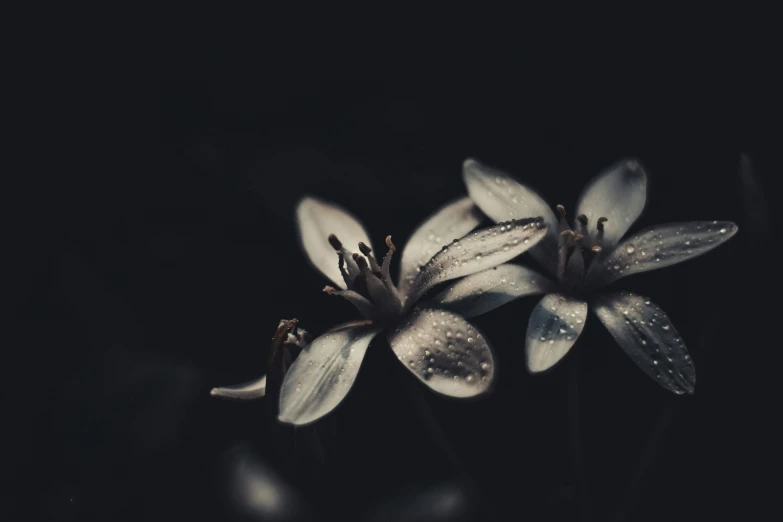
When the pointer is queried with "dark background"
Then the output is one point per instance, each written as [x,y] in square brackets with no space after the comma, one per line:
[159,253]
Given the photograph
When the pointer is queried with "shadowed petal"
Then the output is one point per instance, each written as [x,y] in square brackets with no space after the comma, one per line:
[450,222]
[618,194]
[477,251]
[255,389]
[644,331]
[501,197]
[662,246]
[323,373]
[315,220]
[479,293]
[445,352]
[552,330]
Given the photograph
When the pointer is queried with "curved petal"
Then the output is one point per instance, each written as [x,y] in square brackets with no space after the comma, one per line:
[662,246]
[645,333]
[501,197]
[323,373]
[315,220]
[618,194]
[553,328]
[479,293]
[445,352]
[255,389]
[448,223]
[478,251]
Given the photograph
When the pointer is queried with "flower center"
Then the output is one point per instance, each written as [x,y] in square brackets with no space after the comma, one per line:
[370,287]
[577,253]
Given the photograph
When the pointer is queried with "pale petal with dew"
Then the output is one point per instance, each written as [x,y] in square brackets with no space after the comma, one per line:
[478,251]
[553,328]
[480,293]
[644,331]
[324,373]
[445,352]
[448,223]
[663,245]
[501,197]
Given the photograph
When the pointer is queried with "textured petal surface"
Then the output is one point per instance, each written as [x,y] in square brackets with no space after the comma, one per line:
[315,220]
[662,246]
[618,194]
[255,389]
[478,251]
[323,373]
[552,330]
[447,224]
[644,331]
[479,293]
[445,352]
[501,197]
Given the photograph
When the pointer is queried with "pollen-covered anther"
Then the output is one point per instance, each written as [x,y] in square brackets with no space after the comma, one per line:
[329,290]
[367,251]
[390,244]
[600,226]
[336,244]
[581,219]
[360,261]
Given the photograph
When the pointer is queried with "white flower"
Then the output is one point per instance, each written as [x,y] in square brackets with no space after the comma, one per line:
[583,259]
[439,347]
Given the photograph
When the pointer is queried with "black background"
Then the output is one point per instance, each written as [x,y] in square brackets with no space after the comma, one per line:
[159,252]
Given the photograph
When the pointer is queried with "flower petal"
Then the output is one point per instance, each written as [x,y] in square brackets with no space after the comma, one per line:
[618,194]
[448,223]
[478,251]
[445,352]
[255,389]
[501,197]
[316,219]
[662,246]
[644,331]
[552,330]
[479,293]
[323,373]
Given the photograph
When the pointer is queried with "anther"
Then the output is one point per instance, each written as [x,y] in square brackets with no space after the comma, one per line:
[582,220]
[563,222]
[329,290]
[336,244]
[390,244]
[359,260]
[599,237]
[364,249]
[367,251]
[596,249]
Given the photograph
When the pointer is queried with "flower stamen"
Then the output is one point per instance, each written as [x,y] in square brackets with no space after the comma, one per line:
[367,252]
[581,219]
[599,237]
[564,241]
[563,222]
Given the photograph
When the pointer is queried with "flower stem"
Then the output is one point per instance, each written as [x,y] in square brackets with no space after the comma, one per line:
[433,427]
[646,460]
[580,483]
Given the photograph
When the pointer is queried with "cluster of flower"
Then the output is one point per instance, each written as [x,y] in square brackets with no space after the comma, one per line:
[433,339]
